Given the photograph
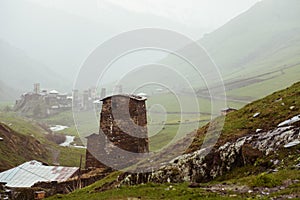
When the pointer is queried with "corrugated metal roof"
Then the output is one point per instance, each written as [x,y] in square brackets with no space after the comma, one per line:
[31,172]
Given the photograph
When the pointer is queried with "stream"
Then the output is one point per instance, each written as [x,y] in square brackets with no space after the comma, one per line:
[68,141]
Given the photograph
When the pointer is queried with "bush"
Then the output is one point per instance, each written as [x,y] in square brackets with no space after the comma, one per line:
[260,162]
[266,180]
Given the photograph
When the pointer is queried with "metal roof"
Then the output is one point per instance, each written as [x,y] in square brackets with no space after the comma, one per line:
[29,173]
[53,92]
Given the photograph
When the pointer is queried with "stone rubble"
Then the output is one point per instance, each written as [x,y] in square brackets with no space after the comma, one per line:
[290,121]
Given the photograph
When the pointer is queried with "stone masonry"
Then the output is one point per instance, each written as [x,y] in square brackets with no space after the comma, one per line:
[123,128]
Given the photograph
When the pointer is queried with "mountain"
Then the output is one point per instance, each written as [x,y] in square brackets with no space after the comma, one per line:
[59,40]
[8,93]
[63,40]
[257,52]
[19,71]
[268,33]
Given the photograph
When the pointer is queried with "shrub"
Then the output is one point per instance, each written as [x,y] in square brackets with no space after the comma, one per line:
[265,180]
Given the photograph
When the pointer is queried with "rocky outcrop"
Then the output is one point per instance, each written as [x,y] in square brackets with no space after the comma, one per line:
[201,167]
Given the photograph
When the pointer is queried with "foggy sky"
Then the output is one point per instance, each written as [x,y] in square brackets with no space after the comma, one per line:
[61,34]
[207,14]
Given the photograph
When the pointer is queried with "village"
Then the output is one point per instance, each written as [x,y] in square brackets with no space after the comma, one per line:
[125,132]
[43,103]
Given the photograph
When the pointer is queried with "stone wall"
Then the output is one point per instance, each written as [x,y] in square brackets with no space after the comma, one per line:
[124,122]
[123,128]
[93,148]
[52,188]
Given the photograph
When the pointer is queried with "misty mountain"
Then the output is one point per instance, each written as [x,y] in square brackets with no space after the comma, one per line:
[265,36]
[63,40]
[19,71]
[261,44]
[8,93]
[58,39]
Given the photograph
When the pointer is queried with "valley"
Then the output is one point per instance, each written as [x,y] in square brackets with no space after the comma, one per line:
[223,124]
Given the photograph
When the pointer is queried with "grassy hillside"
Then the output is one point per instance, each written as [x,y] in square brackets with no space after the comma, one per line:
[273,109]
[17,148]
[241,183]
[174,191]
[24,139]
[262,45]
[179,114]
[253,51]
[267,33]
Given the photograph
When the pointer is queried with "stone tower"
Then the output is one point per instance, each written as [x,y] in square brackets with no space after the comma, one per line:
[123,123]
[85,99]
[75,95]
[103,92]
[36,88]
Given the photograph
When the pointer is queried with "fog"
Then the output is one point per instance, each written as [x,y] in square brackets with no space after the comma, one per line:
[198,15]
[48,41]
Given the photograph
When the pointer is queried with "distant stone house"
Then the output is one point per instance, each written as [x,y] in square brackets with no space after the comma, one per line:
[123,126]
[53,94]
[227,110]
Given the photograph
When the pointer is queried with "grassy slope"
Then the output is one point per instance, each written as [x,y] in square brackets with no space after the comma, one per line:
[25,128]
[4,104]
[259,90]
[237,124]
[174,121]
[17,148]
[87,124]
[182,191]
[147,191]
[262,40]
[269,28]
[272,112]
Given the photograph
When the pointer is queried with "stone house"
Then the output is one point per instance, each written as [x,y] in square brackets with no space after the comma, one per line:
[225,111]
